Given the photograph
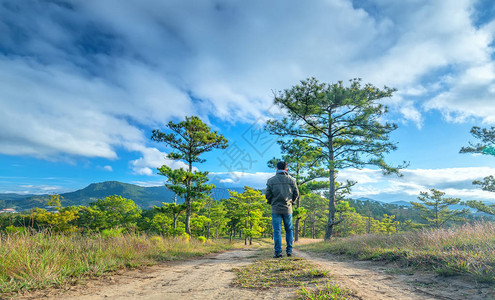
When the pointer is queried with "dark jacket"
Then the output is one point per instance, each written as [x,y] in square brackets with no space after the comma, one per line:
[281,192]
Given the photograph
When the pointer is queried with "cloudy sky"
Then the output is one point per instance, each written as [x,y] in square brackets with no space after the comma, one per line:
[83,84]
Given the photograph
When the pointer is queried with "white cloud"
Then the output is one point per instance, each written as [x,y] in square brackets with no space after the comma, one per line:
[151,160]
[86,80]
[455,182]
[108,168]
[227,180]
[239,179]
[149,183]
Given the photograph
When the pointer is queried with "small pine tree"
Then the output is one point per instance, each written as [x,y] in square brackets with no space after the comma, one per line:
[435,208]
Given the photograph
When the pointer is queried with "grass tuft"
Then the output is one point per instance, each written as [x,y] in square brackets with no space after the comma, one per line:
[327,291]
[286,272]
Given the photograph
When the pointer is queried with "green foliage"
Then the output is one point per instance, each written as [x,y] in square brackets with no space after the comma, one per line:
[246,212]
[219,218]
[61,220]
[111,212]
[487,141]
[165,221]
[188,140]
[344,122]
[486,146]
[316,210]
[11,229]
[388,224]
[480,206]
[352,224]
[435,208]
[55,201]
[488,183]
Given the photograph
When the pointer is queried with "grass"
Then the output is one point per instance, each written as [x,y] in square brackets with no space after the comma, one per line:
[40,260]
[327,291]
[267,273]
[290,272]
[466,250]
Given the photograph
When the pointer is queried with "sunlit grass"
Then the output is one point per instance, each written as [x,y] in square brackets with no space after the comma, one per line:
[39,260]
[326,291]
[466,250]
[314,282]
[267,273]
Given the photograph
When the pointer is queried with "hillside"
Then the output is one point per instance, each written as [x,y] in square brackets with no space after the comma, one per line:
[145,197]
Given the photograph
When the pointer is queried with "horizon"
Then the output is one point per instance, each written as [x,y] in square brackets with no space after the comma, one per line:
[85,83]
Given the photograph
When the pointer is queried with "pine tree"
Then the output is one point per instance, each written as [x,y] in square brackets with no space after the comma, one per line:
[344,122]
[435,208]
[485,147]
[189,139]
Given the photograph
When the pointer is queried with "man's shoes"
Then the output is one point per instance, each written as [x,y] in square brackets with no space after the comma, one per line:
[289,254]
[277,256]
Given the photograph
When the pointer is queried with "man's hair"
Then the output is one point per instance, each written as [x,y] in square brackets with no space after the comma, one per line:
[281,165]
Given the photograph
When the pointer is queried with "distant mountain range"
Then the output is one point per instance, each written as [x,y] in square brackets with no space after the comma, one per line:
[145,197]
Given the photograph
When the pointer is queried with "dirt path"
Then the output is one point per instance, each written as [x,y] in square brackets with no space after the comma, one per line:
[211,277]
[206,278]
[376,280]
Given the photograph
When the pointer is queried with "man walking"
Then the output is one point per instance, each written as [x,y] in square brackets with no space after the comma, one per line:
[281,193]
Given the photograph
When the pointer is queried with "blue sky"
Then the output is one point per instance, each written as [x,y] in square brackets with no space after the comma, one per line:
[83,84]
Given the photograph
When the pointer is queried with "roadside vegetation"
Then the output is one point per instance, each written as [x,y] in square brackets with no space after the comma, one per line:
[35,260]
[466,250]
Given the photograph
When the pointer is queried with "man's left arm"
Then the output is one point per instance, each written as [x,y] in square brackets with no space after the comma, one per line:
[295,193]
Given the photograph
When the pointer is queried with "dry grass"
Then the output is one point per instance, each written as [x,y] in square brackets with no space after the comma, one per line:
[39,260]
[466,250]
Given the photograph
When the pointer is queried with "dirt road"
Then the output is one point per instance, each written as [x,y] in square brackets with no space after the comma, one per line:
[211,277]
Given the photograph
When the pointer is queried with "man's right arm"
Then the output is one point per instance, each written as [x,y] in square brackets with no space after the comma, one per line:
[268,193]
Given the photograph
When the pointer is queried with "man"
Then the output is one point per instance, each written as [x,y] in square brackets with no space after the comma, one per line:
[281,193]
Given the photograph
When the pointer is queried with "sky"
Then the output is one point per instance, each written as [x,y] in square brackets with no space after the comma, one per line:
[84,83]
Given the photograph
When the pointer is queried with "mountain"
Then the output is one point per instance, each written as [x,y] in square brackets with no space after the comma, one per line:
[145,197]
[402,203]
[13,196]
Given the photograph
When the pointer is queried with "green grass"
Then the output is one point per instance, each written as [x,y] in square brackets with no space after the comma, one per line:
[289,272]
[327,291]
[40,260]
[467,250]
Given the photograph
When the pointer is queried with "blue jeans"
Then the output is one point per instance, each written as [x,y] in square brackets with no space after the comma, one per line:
[277,232]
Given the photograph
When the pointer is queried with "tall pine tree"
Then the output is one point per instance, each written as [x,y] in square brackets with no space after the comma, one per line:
[345,122]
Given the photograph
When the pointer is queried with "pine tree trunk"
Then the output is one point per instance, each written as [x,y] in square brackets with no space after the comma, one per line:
[209,222]
[188,215]
[188,202]
[331,189]
[296,227]
[304,229]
